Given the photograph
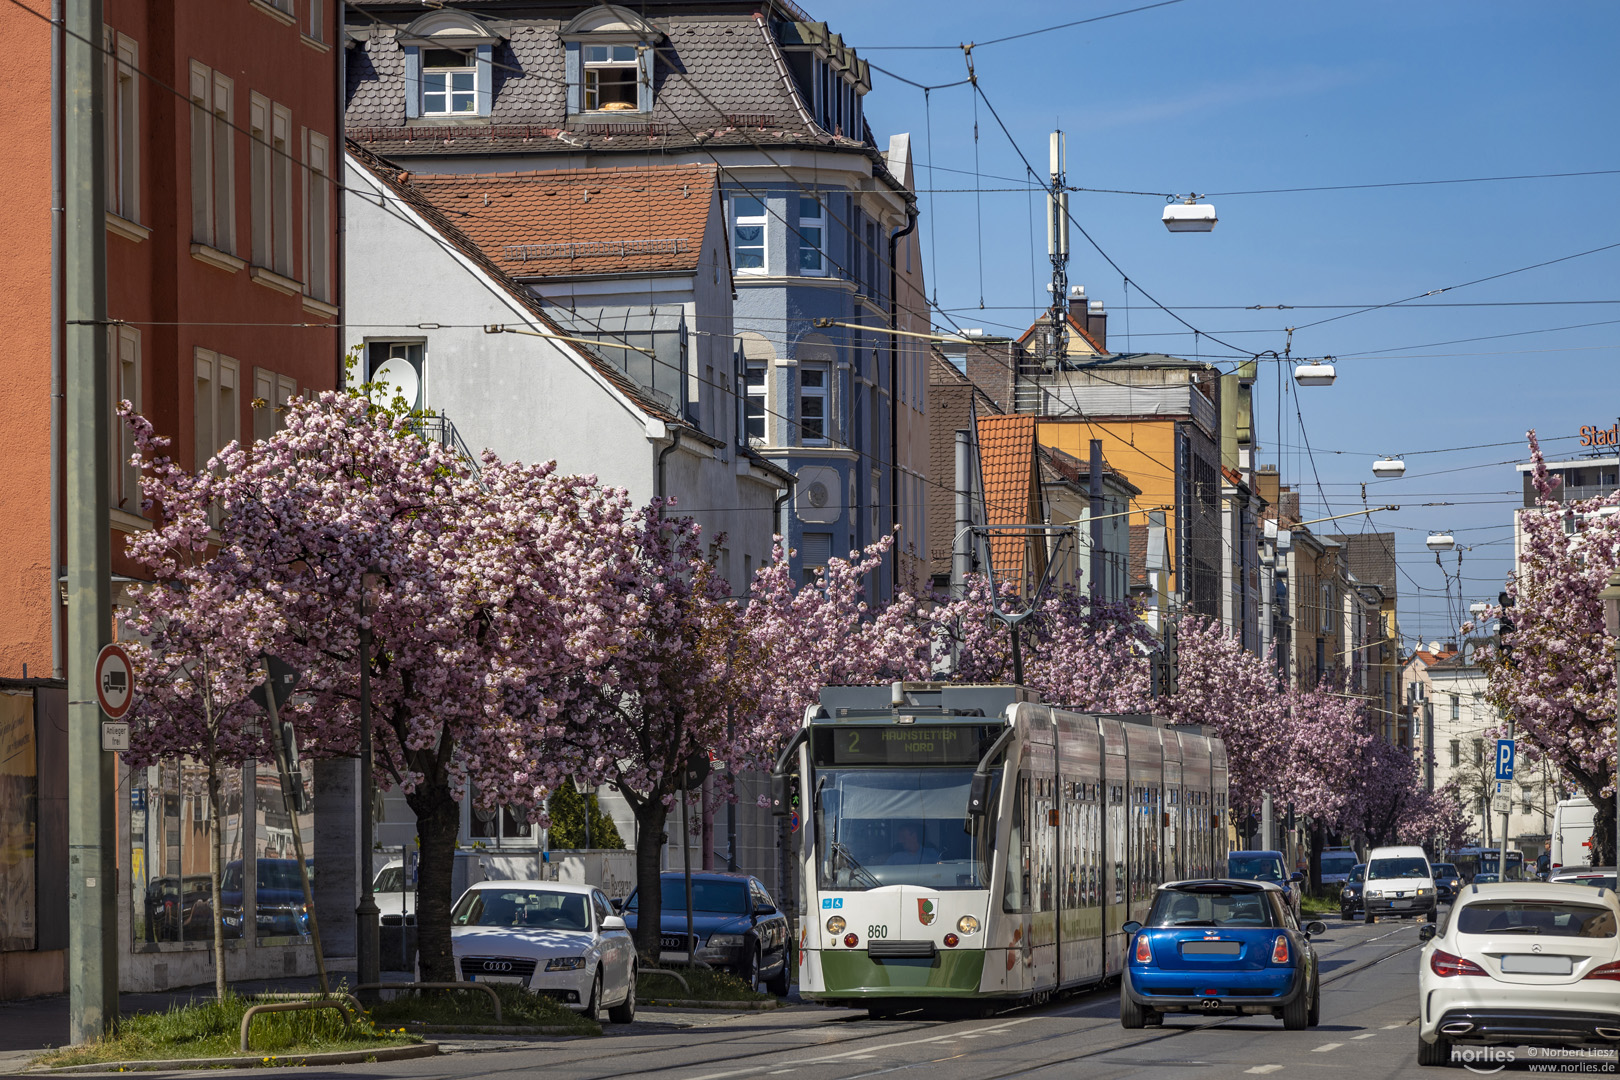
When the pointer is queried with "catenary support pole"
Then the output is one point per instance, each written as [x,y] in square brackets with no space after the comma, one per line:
[1501,857]
[367,955]
[961,561]
[1094,486]
[92,870]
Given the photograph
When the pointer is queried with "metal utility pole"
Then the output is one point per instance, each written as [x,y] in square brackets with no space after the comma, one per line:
[1057,246]
[367,953]
[1507,814]
[92,869]
[1095,491]
[961,559]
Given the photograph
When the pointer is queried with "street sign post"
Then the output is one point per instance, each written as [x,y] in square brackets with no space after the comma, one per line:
[1504,759]
[115,681]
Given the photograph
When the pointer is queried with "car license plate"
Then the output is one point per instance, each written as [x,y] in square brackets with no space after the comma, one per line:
[1403,903]
[1211,948]
[1529,964]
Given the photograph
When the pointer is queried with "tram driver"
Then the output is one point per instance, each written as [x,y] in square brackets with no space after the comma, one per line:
[911,849]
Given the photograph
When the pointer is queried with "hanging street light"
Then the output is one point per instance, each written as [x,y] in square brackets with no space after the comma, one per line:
[1189,215]
[1440,541]
[1389,468]
[1315,373]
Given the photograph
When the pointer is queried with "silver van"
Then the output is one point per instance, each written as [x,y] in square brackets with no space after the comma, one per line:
[1399,882]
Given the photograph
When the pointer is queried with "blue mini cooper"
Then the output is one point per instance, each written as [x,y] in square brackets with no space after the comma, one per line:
[1220,946]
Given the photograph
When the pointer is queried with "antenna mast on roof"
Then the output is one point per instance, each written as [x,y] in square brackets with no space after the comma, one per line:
[1057,246]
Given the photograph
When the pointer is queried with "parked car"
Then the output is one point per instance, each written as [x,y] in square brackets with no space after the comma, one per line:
[1267,866]
[1337,862]
[1350,895]
[396,903]
[278,897]
[1219,946]
[1602,877]
[1447,881]
[735,925]
[1486,879]
[560,940]
[1521,964]
[1400,881]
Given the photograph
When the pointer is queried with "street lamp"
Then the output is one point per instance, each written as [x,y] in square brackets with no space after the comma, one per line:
[1190,215]
[1315,374]
[1440,541]
[366,946]
[1389,468]
[1611,625]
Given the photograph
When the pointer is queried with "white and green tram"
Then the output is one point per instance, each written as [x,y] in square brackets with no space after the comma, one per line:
[969,843]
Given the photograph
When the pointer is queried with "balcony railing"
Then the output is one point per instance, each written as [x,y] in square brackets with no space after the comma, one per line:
[440,430]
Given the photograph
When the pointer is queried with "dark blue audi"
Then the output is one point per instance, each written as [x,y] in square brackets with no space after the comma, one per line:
[1220,946]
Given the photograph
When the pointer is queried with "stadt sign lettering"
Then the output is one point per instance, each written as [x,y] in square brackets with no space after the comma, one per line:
[1596,436]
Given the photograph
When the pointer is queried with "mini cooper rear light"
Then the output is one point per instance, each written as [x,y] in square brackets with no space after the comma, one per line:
[1279,950]
[1144,951]
[952,941]
[1446,965]
[851,940]
[1610,972]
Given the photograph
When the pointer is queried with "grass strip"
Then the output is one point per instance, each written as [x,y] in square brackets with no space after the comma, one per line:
[459,1008]
[706,984]
[212,1028]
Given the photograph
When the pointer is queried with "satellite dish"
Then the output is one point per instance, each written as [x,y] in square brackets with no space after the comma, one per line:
[402,379]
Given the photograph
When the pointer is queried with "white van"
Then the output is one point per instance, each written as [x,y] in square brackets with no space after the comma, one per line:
[1572,826]
[1399,882]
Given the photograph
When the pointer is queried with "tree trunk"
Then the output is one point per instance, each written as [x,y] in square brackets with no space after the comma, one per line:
[1318,839]
[1602,831]
[438,821]
[215,860]
[651,817]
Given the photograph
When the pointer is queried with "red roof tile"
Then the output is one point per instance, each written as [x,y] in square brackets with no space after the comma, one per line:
[580,221]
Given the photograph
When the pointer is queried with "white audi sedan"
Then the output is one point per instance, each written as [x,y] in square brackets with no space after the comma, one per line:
[560,940]
[1520,964]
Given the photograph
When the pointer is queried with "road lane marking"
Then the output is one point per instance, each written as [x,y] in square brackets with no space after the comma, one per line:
[1393,1027]
[1261,1070]
[868,1053]
[1325,1047]
[1369,1035]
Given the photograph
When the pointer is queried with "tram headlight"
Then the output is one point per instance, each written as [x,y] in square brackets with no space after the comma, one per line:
[835,925]
[967,924]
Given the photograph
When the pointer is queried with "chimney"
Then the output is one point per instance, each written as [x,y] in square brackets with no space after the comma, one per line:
[1450,645]
[1096,323]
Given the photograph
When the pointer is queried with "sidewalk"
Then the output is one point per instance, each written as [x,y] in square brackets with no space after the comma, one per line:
[35,1024]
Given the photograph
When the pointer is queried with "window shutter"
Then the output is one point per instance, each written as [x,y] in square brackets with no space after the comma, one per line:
[572,74]
[413,82]
[644,78]
[486,80]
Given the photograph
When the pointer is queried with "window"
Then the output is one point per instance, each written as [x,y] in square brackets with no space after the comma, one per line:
[611,74]
[1479,751]
[748,234]
[812,223]
[123,128]
[215,406]
[1456,708]
[271,393]
[317,216]
[398,364]
[449,83]
[124,379]
[316,27]
[814,551]
[812,404]
[1456,753]
[754,402]
[213,160]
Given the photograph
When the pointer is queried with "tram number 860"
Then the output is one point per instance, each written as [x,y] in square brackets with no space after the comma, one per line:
[875,931]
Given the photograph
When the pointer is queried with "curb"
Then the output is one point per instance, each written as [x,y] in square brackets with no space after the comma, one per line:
[725,1006]
[336,1057]
[493,1029]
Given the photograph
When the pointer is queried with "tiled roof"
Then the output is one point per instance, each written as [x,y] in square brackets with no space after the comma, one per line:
[1075,330]
[1078,470]
[1007,463]
[1372,558]
[580,221]
[391,177]
[717,82]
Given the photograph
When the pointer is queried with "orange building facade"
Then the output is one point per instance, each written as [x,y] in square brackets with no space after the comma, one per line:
[223,138]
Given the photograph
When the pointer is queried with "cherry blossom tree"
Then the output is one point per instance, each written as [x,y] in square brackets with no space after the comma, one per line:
[500,588]
[1557,680]
[1080,652]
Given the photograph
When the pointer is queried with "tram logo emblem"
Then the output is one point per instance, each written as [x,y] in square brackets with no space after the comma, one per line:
[925,912]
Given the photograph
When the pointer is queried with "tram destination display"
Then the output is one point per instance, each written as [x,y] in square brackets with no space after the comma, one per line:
[901,744]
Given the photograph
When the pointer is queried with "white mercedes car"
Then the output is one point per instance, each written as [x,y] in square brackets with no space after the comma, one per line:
[560,940]
[1520,964]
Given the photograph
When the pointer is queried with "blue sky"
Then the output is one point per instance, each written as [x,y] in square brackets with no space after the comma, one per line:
[1216,96]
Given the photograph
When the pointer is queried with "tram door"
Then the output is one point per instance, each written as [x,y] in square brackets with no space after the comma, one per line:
[1174,831]
[1115,884]
[1080,913]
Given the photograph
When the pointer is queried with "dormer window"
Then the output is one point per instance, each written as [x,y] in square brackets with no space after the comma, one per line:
[449,83]
[449,69]
[611,73]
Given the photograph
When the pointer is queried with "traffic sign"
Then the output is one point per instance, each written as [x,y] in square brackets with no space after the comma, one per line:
[115,735]
[1502,804]
[115,682]
[1504,759]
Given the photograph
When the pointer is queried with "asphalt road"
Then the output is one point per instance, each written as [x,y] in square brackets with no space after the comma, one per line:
[1368,1030]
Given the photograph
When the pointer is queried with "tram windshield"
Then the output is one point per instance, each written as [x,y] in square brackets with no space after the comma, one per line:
[879,827]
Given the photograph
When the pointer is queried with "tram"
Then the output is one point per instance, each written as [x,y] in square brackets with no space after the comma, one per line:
[969,843]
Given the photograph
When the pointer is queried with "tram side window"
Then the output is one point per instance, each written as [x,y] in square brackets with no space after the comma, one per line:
[1015,894]
[1116,838]
[1046,842]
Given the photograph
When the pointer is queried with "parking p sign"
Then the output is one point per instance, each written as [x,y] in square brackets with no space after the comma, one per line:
[1504,759]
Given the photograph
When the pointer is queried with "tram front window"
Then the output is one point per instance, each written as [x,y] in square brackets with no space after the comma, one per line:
[881,827]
